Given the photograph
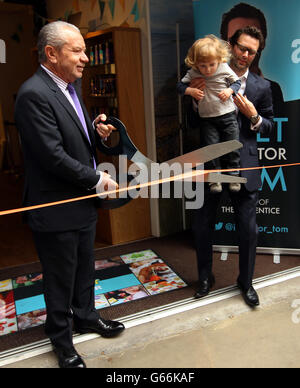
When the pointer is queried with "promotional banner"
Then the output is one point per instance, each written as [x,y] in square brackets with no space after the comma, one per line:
[278,212]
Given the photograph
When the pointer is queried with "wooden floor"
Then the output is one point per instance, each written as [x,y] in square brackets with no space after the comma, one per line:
[16,244]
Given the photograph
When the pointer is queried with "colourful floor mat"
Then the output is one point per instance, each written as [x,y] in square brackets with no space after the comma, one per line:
[119,279]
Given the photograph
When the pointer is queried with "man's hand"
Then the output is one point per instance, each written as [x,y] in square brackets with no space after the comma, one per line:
[198,83]
[197,94]
[103,130]
[107,184]
[225,94]
[245,106]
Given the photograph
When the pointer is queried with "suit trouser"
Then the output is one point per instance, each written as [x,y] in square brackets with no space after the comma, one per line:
[67,260]
[244,204]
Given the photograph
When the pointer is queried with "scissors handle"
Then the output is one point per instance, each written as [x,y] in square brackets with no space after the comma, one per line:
[125,146]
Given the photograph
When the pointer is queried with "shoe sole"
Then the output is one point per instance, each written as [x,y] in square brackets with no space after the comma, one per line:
[104,335]
[213,281]
[249,303]
[246,300]
[200,296]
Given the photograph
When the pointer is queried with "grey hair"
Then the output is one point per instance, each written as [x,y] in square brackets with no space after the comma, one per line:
[52,34]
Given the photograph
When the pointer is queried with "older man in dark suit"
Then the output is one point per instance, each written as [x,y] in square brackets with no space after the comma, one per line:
[59,146]
[255,114]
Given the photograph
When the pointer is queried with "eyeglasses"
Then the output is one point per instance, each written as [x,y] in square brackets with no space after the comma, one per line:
[243,49]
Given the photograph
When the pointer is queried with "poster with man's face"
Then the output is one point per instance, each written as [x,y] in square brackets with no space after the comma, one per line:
[279,61]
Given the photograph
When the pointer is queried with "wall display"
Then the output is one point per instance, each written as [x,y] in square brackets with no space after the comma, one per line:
[278,209]
[118,280]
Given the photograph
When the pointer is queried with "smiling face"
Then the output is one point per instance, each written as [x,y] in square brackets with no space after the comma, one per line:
[68,61]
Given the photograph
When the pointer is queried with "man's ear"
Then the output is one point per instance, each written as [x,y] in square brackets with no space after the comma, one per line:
[51,53]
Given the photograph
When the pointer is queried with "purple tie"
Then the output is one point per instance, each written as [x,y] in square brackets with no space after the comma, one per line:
[74,96]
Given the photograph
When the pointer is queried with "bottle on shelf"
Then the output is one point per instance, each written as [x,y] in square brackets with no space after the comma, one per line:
[92,57]
[107,57]
[96,55]
[104,53]
[92,86]
[101,55]
[103,86]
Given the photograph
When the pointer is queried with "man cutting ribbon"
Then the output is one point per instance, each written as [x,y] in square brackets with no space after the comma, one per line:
[59,146]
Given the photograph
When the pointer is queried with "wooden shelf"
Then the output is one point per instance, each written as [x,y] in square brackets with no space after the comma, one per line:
[132,221]
[106,32]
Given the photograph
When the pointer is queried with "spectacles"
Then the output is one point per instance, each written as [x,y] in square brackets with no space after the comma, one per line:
[243,49]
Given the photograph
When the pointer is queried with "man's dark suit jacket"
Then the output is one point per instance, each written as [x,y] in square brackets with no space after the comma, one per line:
[57,154]
[258,91]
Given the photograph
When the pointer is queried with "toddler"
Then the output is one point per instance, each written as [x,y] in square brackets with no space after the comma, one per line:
[208,58]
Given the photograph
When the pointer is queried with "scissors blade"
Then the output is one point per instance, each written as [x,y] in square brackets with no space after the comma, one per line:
[205,154]
[223,178]
[141,160]
[214,177]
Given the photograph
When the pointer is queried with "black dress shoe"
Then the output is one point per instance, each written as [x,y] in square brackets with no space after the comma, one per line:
[69,358]
[250,296]
[204,287]
[105,328]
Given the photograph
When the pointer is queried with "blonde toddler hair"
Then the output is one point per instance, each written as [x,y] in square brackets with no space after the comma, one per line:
[206,49]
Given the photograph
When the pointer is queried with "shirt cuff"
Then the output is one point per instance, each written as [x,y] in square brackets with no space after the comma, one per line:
[99,181]
[257,125]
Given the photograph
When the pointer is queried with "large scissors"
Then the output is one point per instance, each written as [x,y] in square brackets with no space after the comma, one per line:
[195,158]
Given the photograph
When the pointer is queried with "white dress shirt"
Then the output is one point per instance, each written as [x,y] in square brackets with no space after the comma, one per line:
[61,84]
[242,89]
